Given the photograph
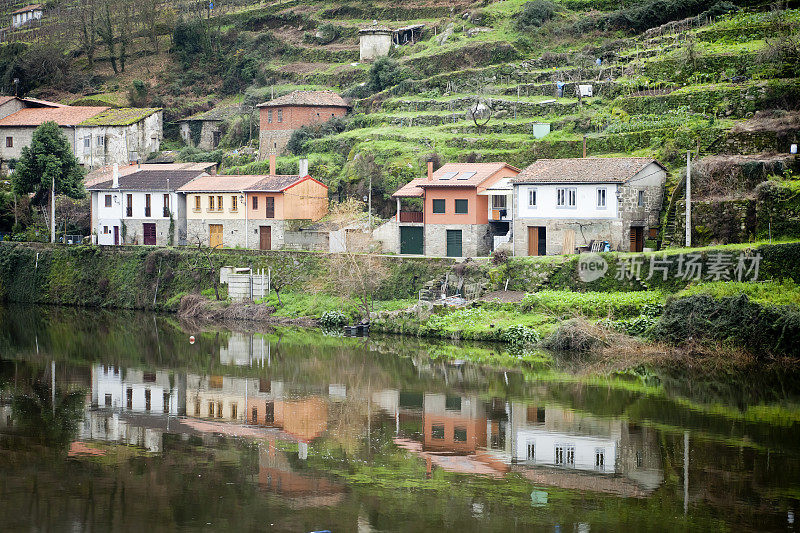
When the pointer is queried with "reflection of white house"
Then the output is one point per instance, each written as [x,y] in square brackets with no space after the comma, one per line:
[138,390]
[227,397]
[24,15]
[246,349]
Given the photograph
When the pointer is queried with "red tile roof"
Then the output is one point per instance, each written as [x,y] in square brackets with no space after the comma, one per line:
[308,98]
[221,183]
[453,175]
[584,170]
[32,7]
[63,116]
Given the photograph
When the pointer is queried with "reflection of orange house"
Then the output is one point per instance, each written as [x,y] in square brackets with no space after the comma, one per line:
[276,475]
[455,434]
[305,418]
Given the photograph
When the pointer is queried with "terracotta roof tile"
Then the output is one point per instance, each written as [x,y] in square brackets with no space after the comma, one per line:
[32,7]
[105,173]
[308,98]
[63,116]
[453,175]
[584,170]
[275,183]
[221,183]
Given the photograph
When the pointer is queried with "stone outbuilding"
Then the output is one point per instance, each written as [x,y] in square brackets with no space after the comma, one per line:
[25,15]
[564,205]
[204,130]
[374,42]
[281,116]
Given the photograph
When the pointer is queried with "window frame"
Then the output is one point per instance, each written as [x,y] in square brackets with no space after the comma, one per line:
[279,115]
[211,202]
[461,201]
[566,197]
[108,200]
[234,203]
[197,203]
[438,202]
[533,193]
[269,116]
[220,203]
[640,198]
[10,142]
[602,191]
[255,202]
[495,197]
[101,140]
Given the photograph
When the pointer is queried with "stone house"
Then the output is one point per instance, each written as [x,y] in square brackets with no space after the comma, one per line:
[564,204]
[280,117]
[142,206]
[461,212]
[99,136]
[204,130]
[376,41]
[25,15]
[252,211]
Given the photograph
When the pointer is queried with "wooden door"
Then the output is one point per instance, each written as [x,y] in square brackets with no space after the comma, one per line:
[265,237]
[149,231]
[454,243]
[537,240]
[637,238]
[116,234]
[569,242]
[215,235]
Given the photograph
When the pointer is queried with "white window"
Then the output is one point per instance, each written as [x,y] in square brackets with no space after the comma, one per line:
[87,141]
[531,197]
[566,197]
[565,455]
[599,459]
[640,201]
[601,198]
[531,456]
[101,140]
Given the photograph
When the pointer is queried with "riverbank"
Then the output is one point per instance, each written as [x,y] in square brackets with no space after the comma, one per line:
[632,301]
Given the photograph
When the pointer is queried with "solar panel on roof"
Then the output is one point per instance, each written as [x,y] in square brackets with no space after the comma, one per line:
[466,175]
[447,175]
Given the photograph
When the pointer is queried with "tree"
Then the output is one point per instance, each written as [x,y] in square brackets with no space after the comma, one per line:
[385,73]
[48,161]
[286,272]
[358,271]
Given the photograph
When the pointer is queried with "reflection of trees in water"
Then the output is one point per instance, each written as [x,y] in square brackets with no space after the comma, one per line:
[36,416]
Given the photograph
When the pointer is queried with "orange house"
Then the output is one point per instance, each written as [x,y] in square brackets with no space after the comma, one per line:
[251,211]
[464,207]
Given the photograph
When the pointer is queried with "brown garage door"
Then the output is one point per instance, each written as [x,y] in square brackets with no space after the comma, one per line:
[149,231]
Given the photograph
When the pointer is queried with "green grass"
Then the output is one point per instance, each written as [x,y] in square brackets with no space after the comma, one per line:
[765,292]
[592,304]
[303,304]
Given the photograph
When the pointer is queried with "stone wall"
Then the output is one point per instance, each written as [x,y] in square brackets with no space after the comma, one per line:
[306,240]
[134,231]
[374,45]
[233,232]
[634,215]
[476,240]
[585,230]
[717,221]
[388,234]
[273,141]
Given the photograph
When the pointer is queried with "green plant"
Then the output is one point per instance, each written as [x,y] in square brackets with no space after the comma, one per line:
[519,335]
[535,13]
[333,319]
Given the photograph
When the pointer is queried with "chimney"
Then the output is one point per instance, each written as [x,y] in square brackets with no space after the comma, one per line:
[584,146]
[430,170]
[271,164]
[115,176]
[303,170]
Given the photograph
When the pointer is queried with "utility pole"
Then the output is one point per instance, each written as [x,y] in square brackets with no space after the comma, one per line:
[53,211]
[369,204]
[688,198]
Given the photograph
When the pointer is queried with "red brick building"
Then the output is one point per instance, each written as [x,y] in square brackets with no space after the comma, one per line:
[280,117]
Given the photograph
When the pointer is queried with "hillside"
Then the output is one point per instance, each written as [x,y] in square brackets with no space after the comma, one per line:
[720,78]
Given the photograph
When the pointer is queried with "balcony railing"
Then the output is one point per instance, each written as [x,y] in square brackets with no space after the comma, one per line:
[129,211]
[410,216]
[147,211]
[166,212]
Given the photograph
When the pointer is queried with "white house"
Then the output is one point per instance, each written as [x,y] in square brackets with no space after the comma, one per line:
[142,207]
[138,391]
[563,204]
[24,15]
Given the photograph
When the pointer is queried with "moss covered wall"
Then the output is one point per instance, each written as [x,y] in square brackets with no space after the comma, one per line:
[127,277]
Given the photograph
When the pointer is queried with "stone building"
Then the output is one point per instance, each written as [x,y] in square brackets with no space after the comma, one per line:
[204,130]
[99,136]
[25,15]
[562,205]
[374,42]
[457,217]
[280,117]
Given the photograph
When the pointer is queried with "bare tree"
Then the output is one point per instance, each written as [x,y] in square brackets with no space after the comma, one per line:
[203,262]
[358,271]
[286,272]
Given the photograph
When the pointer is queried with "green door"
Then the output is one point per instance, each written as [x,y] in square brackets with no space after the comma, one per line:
[454,243]
[411,240]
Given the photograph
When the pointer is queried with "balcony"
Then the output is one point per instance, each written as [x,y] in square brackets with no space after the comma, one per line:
[501,214]
[147,211]
[129,211]
[166,212]
[411,216]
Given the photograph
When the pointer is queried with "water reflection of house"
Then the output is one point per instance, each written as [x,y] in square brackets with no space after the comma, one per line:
[453,423]
[258,402]
[245,349]
[138,390]
[276,475]
[560,447]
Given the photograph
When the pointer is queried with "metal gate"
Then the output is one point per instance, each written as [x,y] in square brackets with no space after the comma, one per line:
[454,243]
[411,240]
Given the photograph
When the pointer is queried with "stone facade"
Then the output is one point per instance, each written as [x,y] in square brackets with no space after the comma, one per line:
[273,141]
[237,233]
[134,231]
[277,123]
[476,240]
[374,43]
[210,133]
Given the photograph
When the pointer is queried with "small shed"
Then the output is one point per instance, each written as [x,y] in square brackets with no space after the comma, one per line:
[24,15]
[374,42]
[204,130]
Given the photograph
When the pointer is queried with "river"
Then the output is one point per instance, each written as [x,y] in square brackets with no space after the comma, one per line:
[160,425]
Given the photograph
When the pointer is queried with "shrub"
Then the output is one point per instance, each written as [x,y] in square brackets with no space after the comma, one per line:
[332,319]
[575,335]
[500,256]
[535,13]
[385,73]
[519,335]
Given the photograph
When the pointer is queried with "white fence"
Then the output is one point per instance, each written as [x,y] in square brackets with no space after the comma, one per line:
[244,284]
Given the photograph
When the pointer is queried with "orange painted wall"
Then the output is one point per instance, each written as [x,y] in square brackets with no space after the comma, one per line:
[307,200]
[477,210]
[261,212]
[476,433]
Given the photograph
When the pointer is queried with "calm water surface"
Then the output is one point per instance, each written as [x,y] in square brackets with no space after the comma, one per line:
[297,431]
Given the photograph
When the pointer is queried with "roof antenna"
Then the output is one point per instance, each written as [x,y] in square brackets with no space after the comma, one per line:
[16,87]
